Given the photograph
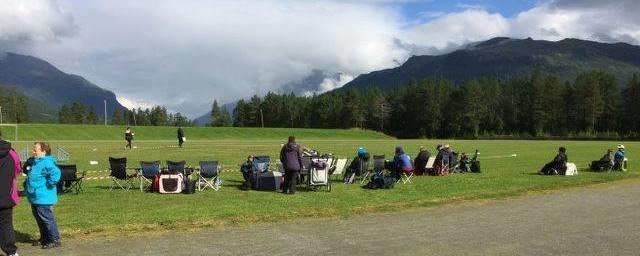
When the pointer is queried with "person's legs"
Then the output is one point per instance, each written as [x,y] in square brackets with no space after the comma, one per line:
[41,227]
[293,182]
[7,236]
[287,180]
[128,144]
[180,141]
[45,213]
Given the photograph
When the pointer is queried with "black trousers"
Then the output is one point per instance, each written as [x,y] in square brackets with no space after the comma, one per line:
[290,180]
[128,144]
[180,141]
[7,236]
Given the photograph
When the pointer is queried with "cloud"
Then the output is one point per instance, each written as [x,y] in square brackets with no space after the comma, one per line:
[185,54]
[24,23]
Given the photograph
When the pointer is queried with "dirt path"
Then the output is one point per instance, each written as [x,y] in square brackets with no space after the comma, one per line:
[595,220]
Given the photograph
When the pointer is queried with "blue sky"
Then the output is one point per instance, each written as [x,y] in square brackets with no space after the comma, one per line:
[425,9]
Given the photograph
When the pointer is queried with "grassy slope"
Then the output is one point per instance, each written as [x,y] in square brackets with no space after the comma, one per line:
[98,211]
[30,132]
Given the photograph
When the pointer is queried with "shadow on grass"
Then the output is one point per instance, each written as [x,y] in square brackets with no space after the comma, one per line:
[24,237]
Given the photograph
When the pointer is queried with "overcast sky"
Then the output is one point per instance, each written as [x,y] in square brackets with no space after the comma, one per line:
[183,54]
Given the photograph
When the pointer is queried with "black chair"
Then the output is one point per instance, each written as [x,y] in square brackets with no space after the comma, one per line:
[209,175]
[69,180]
[119,176]
[148,171]
[179,167]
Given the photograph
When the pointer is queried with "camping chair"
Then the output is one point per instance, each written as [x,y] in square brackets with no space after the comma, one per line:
[179,167]
[339,166]
[148,171]
[407,175]
[306,168]
[119,174]
[69,178]
[209,175]
[378,167]
[261,163]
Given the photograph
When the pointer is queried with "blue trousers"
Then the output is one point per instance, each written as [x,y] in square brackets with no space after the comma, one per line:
[46,223]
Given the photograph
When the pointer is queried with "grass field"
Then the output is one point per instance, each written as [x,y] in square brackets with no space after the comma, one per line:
[98,211]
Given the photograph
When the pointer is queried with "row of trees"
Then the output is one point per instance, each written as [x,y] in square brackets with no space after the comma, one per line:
[13,106]
[77,113]
[155,116]
[592,105]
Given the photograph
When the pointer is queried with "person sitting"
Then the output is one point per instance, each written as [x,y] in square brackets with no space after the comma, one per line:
[421,161]
[619,159]
[247,173]
[357,166]
[453,158]
[401,163]
[465,163]
[559,164]
[441,165]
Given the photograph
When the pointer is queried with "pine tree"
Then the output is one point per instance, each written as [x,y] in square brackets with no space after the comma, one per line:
[117,117]
[64,115]
[78,113]
[92,117]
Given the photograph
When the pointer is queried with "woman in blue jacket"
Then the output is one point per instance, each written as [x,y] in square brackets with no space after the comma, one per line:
[42,194]
[401,163]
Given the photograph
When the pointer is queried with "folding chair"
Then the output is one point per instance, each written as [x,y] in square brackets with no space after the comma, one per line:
[69,178]
[305,170]
[209,175]
[378,167]
[407,175]
[338,168]
[119,174]
[148,171]
[261,163]
[179,167]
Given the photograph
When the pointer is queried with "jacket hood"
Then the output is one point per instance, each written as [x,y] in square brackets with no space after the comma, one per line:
[291,146]
[5,147]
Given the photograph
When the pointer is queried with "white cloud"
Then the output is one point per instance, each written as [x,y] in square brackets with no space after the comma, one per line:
[183,54]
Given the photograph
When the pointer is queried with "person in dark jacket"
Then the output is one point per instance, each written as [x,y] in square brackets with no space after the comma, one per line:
[41,192]
[180,136]
[558,165]
[9,171]
[619,159]
[247,173]
[291,158]
[421,160]
[128,136]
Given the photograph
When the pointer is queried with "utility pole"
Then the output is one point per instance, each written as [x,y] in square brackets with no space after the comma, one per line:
[0,114]
[105,112]
[261,118]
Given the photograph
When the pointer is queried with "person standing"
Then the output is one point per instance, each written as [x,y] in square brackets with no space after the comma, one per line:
[9,171]
[291,158]
[180,136]
[128,136]
[619,159]
[41,192]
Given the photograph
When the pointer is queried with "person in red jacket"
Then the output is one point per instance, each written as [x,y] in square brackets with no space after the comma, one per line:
[9,171]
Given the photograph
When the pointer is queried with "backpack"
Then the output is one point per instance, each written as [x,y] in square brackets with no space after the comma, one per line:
[388,182]
[475,166]
[189,186]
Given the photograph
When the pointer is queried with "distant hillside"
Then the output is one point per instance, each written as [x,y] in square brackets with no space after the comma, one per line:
[505,58]
[41,81]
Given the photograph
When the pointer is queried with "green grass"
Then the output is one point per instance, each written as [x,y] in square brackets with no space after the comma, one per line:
[32,132]
[100,212]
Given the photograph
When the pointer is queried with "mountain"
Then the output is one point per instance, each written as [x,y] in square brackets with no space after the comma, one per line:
[505,58]
[42,82]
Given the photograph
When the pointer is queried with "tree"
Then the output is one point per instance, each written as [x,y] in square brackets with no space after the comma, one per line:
[118,117]
[219,116]
[92,117]
[64,115]
[78,113]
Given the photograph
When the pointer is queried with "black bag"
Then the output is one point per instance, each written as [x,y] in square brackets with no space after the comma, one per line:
[246,185]
[269,181]
[600,165]
[388,182]
[189,186]
[475,166]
